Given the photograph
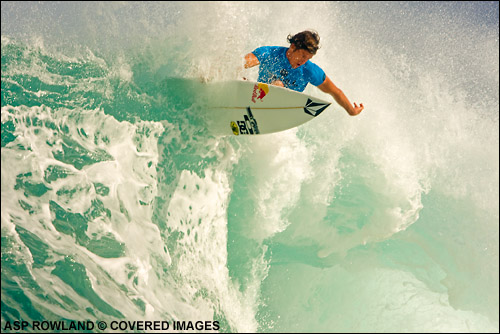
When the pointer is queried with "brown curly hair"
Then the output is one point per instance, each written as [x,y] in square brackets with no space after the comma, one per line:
[307,40]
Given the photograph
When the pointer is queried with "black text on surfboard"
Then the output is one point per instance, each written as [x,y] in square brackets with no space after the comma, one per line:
[248,126]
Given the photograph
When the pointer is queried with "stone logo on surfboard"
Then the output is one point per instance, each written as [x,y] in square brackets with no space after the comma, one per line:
[235,128]
[260,90]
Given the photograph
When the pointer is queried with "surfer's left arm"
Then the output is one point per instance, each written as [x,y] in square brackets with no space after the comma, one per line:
[329,87]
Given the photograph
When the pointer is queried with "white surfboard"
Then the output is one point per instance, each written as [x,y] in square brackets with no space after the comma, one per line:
[251,108]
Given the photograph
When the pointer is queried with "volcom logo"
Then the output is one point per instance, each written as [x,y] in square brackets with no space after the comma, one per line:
[315,108]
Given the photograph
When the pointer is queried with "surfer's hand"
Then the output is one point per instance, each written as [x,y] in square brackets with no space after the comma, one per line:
[278,83]
[357,109]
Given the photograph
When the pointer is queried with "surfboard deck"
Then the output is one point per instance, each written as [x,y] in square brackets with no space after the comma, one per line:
[242,108]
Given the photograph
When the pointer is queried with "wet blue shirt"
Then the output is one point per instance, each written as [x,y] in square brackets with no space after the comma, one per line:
[274,65]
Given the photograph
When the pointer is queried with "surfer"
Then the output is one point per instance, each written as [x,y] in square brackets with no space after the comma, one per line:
[291,68]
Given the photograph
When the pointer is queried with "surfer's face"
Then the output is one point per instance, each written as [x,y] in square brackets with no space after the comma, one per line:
[298,57]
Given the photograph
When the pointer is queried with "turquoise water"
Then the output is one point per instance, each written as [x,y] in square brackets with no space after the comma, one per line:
[119,205]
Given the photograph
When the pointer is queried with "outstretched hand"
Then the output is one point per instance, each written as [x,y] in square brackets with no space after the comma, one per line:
[358,109]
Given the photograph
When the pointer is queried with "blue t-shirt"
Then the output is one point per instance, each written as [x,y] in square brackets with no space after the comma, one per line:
[274,65]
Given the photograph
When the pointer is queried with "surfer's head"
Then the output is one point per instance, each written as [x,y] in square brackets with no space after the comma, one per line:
[305,40]
[303,46]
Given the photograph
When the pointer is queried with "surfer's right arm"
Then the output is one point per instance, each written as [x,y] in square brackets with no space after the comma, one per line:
[251,60]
